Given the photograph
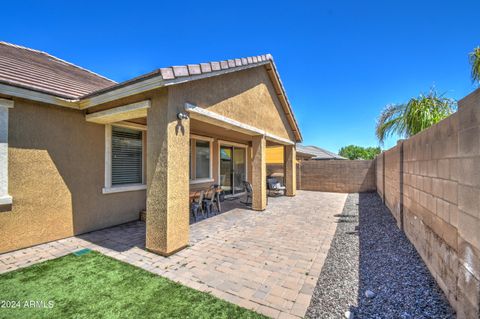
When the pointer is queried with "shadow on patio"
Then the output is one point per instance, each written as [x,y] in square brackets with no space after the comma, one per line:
[124,237]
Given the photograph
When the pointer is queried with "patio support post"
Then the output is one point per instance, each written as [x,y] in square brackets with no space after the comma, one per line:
[167,220]
[290,169]
[259,173]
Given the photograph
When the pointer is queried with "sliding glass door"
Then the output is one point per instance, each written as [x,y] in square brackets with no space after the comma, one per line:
[226,169]
[233,169]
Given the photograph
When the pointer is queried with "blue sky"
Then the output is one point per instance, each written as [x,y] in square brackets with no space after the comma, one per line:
[341,61]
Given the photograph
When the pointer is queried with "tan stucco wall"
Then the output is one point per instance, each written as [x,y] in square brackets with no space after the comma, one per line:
[56,174]
[167,177]
[246,96]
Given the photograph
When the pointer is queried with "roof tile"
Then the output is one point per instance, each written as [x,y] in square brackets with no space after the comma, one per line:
[224,65]
[194,69]
[215,66]
[206,67]
[167,73]
[181,70]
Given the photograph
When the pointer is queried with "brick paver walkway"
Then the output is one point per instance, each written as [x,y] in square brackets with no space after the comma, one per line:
[266,261]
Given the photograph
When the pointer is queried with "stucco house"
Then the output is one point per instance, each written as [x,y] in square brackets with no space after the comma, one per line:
[80,152]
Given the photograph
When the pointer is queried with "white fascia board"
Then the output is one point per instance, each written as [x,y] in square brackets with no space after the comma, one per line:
[121,92]
[278,139]
[37,96]
[120,113]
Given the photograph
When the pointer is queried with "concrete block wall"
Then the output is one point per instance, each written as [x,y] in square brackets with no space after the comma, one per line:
[430,200]
[392,181]
[379,175]
[343,176]
[432,187]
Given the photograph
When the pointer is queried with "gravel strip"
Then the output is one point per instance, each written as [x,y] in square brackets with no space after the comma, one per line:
[369,252]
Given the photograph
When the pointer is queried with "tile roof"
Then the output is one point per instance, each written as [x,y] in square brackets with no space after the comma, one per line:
[40,71]
[184,72]
[317,152]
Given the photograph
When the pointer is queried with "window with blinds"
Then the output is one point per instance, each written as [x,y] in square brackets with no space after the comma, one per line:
[127,159]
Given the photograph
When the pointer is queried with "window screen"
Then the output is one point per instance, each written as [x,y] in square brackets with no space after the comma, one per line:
[126,156]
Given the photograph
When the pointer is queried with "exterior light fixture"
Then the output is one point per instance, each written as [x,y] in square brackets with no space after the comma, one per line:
[182,116]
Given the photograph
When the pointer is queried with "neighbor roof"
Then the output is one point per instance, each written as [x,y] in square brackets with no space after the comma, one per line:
[80,88]
[40,71]
[317,153]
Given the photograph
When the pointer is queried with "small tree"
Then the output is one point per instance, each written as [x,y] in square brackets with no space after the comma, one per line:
[475,62]
[354,152]
[418,114]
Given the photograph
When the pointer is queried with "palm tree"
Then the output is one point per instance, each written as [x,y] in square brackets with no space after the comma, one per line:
[475,62]
[418,114]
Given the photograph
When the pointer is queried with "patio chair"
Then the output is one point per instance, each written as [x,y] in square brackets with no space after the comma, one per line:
[273,186]
[249,191]
[212,200]
[217,196]
[197,207]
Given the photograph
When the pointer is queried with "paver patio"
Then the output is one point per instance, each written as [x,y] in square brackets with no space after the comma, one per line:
[266,261]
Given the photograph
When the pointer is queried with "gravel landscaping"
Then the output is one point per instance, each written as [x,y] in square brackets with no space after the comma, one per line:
[370,256]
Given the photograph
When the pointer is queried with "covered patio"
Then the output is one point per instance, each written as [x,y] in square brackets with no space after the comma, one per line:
[268,261]
[212,148]
[164,143]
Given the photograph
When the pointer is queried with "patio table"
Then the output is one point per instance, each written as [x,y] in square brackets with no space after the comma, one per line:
[195,194]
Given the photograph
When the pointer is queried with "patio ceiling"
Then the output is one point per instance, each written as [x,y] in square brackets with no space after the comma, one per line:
[208,116]
[207,129]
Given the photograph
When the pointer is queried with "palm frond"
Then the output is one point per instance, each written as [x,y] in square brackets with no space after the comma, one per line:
[418,114]
[474,57]
[389,122]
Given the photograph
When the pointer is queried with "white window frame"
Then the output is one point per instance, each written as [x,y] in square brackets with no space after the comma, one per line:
[109,188]
[5,198]
[209,179]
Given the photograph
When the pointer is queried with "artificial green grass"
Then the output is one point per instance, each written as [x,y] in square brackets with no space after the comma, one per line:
[97,286]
